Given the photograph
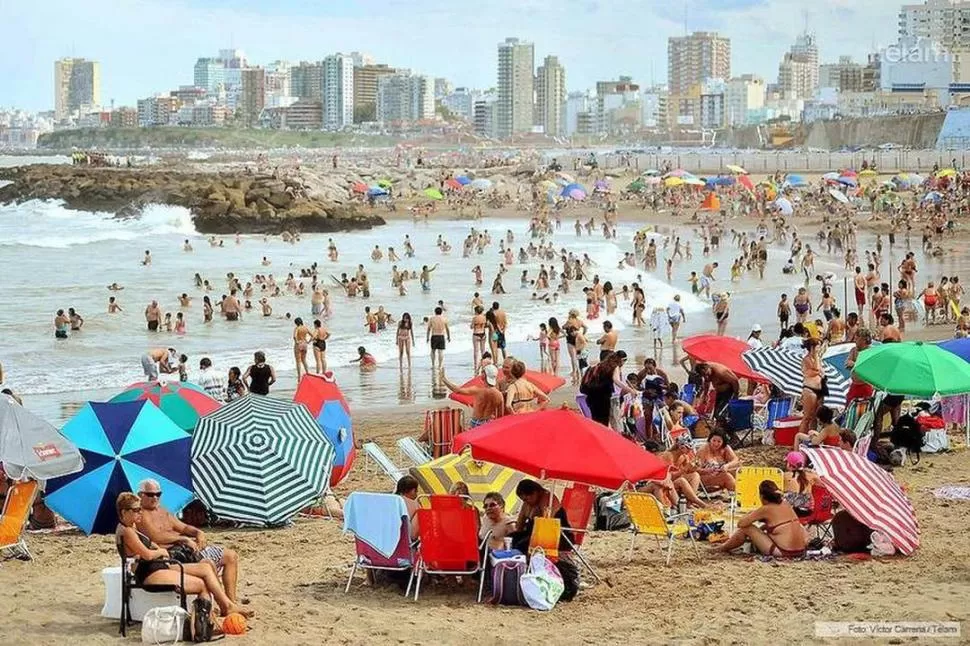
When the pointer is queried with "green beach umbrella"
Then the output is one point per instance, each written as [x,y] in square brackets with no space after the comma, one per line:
[636,186]
[182,402]
[433,193]
[385,183]
[913,368]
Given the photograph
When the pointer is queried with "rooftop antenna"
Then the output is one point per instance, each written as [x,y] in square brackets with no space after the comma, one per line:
[686,31]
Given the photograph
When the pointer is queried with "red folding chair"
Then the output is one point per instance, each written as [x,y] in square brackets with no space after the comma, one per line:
[448,545]
[443,502]
[821,518]
[440,427]
[577,502]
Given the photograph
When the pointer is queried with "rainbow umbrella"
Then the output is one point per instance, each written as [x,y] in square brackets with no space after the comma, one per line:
[182,402]
[433,193]
[321,395]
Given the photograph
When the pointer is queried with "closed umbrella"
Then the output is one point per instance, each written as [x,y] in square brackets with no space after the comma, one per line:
[260,460]
[441,474]
[323,398]
[725,350]
[562,445]
[913,368]
[541,380]
[122,444]
[868,493]
[783,368]
[182,402]
[30,448]
[433,193]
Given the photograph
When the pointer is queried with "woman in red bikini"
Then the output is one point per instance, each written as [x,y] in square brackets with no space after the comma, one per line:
[780,535]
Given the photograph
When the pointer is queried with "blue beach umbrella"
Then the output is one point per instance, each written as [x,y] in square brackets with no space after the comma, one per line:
[463,180]
[795,180]
[122,444]
[933,196]
[959,347]
[376,191]
[721,180]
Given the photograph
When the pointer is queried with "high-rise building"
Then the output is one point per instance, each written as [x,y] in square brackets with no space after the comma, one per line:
[277,90]
[742,95]
[338,91]
[157,110]
[306,81]
[612,110]
[484,114]
[516,93]
[551,96]
[366,78]
[695,58]
[210,74]
[653,107]
[253,97]
[77,84]
[830,75]
[946,22]
[461,102]
[442,87]
[404,97]
[579,104]
[798,70]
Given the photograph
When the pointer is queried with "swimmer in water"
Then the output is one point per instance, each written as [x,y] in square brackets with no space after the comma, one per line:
[147,260]
[115,287]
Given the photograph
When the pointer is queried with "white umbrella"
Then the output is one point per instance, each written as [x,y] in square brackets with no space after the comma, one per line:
[839,195]
[32,448]
[481,184]
[784,205]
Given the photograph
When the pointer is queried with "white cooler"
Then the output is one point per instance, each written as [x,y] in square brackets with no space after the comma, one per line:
[141,601]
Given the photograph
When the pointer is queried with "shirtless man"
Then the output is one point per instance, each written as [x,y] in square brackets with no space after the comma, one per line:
[147,260]
[724,382]
[501,323]
[231,308]
[113,306]
[167,531]
[707,278]
[608,341]
[488,402]
[859,282]
[437,334]
[159,359]
[153,315]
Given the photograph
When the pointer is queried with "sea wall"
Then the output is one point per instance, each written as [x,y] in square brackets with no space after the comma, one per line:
[918,131]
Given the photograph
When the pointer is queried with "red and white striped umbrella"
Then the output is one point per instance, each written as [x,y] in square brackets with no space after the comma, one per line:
[867,492]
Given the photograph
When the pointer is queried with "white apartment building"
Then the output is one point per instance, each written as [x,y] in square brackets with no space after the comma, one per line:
[516,91]
[742,94]
[551,97]
[338,91]
[404,97]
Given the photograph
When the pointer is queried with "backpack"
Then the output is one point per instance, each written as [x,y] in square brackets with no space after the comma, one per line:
[201,625]
[506,576]
[610,513]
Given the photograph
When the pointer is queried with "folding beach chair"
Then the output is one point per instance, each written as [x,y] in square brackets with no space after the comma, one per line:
[16,513]
[378,457]
[368,558]
[740,423]
[688,392]
[746,484]
[128,584]
[440,427]
[449,545]
[546,533]
[821,518]
[861,446]
[854,412]
[408,447]
[647,517]
[577,502]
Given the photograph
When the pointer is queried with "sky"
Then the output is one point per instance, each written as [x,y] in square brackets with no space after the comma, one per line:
[150,46]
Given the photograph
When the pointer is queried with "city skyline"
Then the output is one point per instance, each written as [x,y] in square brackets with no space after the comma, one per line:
[148,47]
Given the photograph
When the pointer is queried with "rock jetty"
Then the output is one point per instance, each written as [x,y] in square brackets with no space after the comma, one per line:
[221,203]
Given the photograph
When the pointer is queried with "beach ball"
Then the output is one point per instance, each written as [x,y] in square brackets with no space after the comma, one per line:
[234,624]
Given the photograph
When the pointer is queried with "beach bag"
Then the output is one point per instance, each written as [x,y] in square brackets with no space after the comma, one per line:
[201,625]
[163,625]
[506,581]
[542,585]
[610,514]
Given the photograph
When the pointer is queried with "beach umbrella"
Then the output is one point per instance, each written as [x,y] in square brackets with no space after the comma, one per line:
[868,173]
[385,183]
[561,445]
[947,172]
[260,460]
[376,191]
[433,193]
[453,183]
[720,180]
[737,170]
[837,355]
[678,172]
[463,180]
[577,194]
[548,185]
[913,368]
[673,181]
[122,444]
[725,350]
[653,172]
[783,368]
[694,181]
[831,177]
[959,347]
[933,196]
[868,493]
[601,186]
[541,380]
[784,205]
[30,448]
[795,180]
[481,184]
[359,187]
[651,180]
[636,186]
[848,172]
[746,182]
[845,180]
[183,402]
[711,203]
[839,196]
[322,397]
[441,474]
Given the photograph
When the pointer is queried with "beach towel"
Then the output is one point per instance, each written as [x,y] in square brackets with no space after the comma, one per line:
[375,519]
[952,492]
[954,409]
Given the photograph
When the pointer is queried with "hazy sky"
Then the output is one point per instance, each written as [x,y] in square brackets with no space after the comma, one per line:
[148,46]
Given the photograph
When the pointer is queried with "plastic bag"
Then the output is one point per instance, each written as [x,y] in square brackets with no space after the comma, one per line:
[163,625]
[542,585]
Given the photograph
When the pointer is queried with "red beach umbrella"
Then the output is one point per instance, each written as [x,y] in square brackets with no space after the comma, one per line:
[725,350]
[562,445]
[321,395]
[453,183]
[541,380]
[359,187]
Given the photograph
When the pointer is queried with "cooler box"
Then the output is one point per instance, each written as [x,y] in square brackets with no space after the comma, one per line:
[784,430]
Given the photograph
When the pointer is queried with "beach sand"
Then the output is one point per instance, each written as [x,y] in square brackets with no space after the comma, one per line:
[295,579]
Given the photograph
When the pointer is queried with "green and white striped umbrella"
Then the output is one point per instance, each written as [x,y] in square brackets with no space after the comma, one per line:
[260,460]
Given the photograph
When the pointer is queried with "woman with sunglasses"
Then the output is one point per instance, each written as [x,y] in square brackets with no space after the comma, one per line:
[152,564]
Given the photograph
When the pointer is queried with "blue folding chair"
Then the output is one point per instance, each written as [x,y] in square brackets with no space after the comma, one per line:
[776,409]
[739,423]
[688,392]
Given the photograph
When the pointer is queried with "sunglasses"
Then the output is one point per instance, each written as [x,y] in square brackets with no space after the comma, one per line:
[150,494]
[490,505]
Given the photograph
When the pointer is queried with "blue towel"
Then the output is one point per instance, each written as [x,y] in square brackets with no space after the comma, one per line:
[375,518]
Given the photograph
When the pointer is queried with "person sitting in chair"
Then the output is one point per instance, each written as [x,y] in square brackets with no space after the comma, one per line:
[537,501]
[184,543]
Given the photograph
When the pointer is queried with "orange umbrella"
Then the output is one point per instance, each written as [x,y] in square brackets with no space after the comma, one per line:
[711,203]
[541,380]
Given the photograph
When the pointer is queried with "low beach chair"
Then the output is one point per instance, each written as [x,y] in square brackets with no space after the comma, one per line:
[449,545]
[378,457]
[647,517]
[578,501]
[740,419]
[746,484]
[441,425]
[821,518]
[128,584]
[409,448]
[546,533]
[16,513]
[366,557]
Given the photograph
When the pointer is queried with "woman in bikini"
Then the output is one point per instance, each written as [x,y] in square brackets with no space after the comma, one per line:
[781,533]
[813,388]
[206,309]
[320,336]
[522,396]
[405,339]
[554,334]
[301,337]
[722,310]
[479,336]
[799,481]
[717,461]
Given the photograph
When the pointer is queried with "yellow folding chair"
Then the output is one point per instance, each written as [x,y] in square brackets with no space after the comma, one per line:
[545,536]
[746,485]
[16,512]
[647,517]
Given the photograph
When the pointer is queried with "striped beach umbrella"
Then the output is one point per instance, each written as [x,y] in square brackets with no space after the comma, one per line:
[323,398]
[438,476]
[182,402]
[869,493]
[784,368]
[260,460]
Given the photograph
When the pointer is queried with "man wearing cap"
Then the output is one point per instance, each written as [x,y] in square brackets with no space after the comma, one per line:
[488,402]
[754,339]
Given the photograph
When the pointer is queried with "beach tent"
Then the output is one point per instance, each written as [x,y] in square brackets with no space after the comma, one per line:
[122,444]
[322,397]
[260,460]
[441,474]
[711,203]
[784,205]
[784,369]
[182,402]
[433,193]
[725,350]
[541,380]
[30,448]
[562,445]
[913,368]
[868,493]
[839,195]
[481,184]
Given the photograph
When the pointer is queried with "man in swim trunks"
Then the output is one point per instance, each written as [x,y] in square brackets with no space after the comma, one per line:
[159,359]
[608,341]
[231,308]
[859,281]
[501,323]
[437,334]
[488,401]
[153,314]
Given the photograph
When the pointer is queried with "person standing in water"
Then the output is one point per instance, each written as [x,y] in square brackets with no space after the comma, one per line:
[437,334]
[320,335]
[301,338]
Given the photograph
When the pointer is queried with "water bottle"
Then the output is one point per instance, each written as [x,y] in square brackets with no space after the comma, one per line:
[682,505]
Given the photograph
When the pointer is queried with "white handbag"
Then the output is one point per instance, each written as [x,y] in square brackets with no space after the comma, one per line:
[163,625]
